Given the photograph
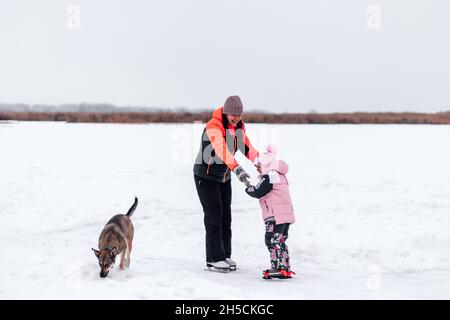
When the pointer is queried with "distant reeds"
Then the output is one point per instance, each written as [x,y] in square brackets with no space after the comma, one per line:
[250,117]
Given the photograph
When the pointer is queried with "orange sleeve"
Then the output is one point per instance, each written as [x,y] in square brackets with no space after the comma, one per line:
[215,135]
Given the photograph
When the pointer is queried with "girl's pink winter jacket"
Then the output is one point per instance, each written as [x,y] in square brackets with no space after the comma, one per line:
[278,203]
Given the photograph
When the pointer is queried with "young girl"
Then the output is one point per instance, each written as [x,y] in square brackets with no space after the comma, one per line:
[272,190]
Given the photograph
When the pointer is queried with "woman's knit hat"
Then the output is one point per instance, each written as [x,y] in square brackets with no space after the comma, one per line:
[233,105]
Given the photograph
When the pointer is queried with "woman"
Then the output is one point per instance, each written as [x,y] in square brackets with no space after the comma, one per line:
[223,135]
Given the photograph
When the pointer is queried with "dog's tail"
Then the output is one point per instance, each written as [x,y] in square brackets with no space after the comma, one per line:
[133,207]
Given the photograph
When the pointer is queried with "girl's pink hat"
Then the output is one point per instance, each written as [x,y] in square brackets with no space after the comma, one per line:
[268,160]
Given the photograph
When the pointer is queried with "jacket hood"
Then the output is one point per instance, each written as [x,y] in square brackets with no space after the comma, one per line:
[279,166]
[218,113]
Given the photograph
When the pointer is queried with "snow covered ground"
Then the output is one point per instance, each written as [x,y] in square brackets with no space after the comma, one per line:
[372,205]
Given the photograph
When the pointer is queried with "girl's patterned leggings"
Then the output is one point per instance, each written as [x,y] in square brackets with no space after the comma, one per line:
[276,235]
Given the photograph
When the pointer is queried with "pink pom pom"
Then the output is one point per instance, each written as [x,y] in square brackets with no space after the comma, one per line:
[271,149]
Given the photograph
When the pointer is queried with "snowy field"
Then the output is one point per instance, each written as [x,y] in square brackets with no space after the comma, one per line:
[372,206]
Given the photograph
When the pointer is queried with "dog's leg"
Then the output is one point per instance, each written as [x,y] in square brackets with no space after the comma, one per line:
[122,260]
[128,253]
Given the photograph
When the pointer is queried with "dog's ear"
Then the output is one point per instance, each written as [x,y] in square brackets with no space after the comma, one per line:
[113,253]
[97,253]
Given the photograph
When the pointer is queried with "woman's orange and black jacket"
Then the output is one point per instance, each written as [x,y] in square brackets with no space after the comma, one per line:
[215,159]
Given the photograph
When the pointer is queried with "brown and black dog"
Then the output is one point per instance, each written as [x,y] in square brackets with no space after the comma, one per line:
[116,238]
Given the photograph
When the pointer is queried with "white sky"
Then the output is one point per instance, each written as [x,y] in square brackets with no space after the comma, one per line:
[286,55]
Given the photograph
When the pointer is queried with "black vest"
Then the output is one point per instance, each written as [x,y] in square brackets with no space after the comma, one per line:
[208,165]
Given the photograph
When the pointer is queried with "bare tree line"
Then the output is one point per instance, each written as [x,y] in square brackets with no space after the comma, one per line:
[109,113]
[250,117]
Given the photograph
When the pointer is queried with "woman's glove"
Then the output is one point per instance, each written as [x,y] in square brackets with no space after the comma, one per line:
[242,175]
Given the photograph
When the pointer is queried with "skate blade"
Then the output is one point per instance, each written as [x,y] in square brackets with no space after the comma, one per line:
[233,268]
[274,278]
[221,270]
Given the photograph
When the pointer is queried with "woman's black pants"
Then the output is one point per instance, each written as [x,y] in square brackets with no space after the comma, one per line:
[215,198]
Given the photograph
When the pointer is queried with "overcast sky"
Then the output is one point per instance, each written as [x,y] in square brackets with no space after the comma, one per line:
[295,56]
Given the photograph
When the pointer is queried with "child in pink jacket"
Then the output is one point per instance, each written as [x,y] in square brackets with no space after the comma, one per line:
[272,190]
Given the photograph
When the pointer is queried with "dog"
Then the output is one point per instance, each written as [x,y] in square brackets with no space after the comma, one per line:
[116,238]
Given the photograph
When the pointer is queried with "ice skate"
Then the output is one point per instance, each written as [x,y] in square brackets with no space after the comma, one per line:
[219,266]
[277,274]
